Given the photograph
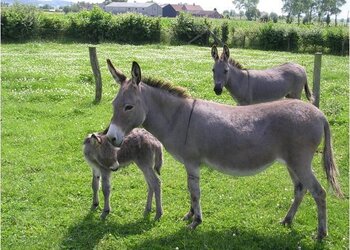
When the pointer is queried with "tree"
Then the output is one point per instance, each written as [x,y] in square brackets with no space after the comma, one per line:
[229,13]
[241,13]
[274,17]
[239,5]
[287,8]
[297,8]
[250,7]
[335,8]
[264,17]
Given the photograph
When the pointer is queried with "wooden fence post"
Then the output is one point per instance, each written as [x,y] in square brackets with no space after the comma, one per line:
[97,73]
[317,79]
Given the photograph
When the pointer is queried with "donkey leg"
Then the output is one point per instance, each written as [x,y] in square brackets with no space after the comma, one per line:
[95,185]
[106,189]
[157,186]
[299,192]
[150,191]
[194,189]
[146,174]
[154,187]
[309,180]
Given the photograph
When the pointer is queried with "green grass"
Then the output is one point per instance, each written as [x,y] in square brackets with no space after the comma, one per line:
[47,110]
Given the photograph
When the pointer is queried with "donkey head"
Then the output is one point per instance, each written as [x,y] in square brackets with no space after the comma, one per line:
[128,108]
[220,68]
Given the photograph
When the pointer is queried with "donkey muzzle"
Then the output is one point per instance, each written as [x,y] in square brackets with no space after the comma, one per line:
[217,89]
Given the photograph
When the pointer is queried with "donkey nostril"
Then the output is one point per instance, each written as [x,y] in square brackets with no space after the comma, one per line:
[217,91]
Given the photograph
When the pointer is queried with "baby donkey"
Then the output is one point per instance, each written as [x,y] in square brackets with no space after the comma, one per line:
[139,146]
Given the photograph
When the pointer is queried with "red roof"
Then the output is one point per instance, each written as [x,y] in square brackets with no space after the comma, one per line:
[185,7]
[193,7]
[177,7]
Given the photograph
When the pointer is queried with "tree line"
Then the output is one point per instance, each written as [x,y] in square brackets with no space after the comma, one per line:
[303,10]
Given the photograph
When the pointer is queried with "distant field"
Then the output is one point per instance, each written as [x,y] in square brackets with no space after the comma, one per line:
[47,110]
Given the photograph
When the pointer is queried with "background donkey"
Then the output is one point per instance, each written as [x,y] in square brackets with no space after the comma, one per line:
[256,86]
[140,147]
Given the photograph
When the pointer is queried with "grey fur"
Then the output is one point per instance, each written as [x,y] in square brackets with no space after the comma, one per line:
[257,86]
[239,140]
[139,147]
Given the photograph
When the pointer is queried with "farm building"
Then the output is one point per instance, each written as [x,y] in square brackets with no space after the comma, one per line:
[173,10]
[169,10]
[207,13]
[147,9]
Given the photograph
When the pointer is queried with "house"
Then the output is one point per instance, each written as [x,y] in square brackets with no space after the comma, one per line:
[207,13]
[147,9]
[169,10]
[173,10]
[192,8]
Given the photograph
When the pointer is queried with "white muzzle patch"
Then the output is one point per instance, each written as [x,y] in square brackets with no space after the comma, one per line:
[115,134]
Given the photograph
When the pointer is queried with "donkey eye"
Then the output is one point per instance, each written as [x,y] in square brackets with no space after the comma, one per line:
[225,71]
[128,107]
[213,70]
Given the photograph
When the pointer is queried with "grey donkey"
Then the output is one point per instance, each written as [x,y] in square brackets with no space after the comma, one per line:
[140,147]
[257,86]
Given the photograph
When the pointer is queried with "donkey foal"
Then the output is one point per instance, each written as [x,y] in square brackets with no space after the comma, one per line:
[140,147]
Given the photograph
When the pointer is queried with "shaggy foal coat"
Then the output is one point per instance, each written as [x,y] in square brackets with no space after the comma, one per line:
[139,147]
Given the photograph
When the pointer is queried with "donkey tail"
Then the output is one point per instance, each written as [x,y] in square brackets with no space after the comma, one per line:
[308,93]
[158,160]
[328,162]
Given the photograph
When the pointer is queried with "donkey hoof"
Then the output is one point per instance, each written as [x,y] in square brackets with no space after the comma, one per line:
[158,216]
[286,222]
[193,225]
[104,215]
[321,235]
[94,207]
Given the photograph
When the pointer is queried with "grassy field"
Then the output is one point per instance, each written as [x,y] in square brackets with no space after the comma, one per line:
[47,110]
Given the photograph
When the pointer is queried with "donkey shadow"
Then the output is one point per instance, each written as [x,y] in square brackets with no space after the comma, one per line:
[91,230]
[232,238]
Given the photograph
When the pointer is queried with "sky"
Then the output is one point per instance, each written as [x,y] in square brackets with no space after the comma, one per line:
[221,5]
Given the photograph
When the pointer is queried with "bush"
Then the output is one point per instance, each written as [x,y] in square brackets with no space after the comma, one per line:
[224,32]
[185,29]
[292,37]
[271,38]
[312,40]
[337,41]
[52,27]
[134,28]
[89,26]
[19,23]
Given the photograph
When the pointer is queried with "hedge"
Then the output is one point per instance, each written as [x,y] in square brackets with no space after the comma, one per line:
[20,23]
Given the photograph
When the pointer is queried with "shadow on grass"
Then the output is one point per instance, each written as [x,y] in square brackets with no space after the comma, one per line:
[228,239]
[91,230]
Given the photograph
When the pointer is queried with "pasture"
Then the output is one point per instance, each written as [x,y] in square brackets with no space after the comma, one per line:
[47,110]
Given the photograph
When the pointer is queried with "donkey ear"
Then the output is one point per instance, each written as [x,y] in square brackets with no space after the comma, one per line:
[214,53]
[136,73]
[96,137]
[226,52]
[118,76]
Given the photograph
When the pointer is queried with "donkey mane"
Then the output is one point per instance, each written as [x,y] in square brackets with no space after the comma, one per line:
[161,84]
[236,64]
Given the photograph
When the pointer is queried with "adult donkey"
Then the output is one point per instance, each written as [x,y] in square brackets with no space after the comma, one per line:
[239,140]
[256,86]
